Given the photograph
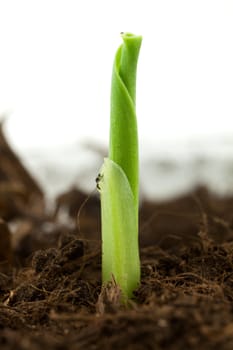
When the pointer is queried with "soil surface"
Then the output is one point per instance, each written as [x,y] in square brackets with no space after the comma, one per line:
[50,271]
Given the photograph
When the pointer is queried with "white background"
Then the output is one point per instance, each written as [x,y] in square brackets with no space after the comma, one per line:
[56,61]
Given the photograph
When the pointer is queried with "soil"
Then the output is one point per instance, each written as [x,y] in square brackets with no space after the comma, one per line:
[50,271]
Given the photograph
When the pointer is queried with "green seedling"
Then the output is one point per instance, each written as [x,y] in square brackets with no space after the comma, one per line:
[118,179]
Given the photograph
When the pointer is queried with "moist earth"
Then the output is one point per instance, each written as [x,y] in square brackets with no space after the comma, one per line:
[50,271]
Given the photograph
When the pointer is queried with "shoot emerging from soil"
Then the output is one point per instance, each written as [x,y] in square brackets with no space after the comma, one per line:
[118,179]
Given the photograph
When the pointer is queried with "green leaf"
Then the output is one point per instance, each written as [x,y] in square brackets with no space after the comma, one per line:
[119,229]
[123,145]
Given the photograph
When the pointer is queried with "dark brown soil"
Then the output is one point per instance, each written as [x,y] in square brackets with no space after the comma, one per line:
[50,272]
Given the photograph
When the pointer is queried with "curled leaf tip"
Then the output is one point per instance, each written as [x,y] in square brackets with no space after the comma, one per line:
[127,35]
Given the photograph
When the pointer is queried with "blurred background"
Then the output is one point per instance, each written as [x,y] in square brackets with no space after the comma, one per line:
[55,75]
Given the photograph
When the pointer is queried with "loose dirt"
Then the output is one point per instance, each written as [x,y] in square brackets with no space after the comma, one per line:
[50,271]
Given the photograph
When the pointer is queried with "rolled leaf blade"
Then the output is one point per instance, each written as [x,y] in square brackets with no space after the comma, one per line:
[123,146]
